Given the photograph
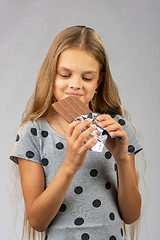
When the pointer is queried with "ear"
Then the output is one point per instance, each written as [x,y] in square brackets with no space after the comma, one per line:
[101,77]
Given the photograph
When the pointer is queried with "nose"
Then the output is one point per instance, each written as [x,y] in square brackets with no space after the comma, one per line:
[75,83]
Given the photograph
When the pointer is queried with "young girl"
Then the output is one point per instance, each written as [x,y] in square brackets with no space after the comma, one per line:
[71,192]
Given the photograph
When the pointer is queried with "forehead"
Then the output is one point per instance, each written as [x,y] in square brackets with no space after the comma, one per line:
[75,58]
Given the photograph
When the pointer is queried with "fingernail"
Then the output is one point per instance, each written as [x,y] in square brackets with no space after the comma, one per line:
[99,118]
[89,120]
[111,134]
[94,126]
[95,137]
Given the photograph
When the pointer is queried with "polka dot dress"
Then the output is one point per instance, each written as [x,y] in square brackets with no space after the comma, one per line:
[90,208]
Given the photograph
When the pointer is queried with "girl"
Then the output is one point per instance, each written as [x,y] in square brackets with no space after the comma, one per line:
[71,192]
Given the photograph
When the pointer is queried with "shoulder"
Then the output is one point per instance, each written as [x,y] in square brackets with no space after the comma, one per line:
[28,141]
[121,120]
[31,127]
[31,131]
[125,123]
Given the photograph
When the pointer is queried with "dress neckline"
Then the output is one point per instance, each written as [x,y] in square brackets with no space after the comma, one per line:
[52,130]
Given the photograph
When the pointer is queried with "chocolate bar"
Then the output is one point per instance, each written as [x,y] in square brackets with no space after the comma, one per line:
[70,108]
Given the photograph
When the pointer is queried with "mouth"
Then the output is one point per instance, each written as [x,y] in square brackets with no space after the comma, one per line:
[74,94]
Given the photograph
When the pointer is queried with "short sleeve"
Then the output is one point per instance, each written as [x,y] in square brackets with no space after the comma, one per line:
[27,144]
[134,145]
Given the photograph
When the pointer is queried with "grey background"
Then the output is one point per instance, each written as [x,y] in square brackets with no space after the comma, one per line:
[131,34]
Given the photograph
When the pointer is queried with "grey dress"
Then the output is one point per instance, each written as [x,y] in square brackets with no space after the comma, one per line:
[90,207]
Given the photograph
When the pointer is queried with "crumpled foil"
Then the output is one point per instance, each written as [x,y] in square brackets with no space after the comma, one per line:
[100,132]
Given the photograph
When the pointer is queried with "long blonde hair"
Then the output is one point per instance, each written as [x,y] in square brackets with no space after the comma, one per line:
[40,104]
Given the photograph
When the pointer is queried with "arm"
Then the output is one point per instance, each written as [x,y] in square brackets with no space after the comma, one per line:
[43,205]
[129,199]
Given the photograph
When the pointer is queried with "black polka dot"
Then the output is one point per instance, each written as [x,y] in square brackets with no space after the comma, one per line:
[108,155]
[45,161]
[59,145]
[46,237]
[112,238]
[112,115]
[112,216]
[79,221]
[34,131]
[44,134]
[17,138]
[62,208]
[94,172]
[78,190]
[121,122]
[131,148]
[85,236]
[29,154]
[108,185]
[115,167]
[121,232]
[96,203]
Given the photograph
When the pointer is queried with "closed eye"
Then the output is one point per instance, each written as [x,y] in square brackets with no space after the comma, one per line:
[67,76]
[64,76]
[87,79]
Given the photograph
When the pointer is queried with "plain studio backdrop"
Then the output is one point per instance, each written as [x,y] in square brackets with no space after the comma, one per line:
[131,34]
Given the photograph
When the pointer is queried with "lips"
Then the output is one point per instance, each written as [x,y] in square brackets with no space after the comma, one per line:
[74,94]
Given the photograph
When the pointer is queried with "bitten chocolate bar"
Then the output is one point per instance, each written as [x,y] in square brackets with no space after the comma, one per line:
[70,108]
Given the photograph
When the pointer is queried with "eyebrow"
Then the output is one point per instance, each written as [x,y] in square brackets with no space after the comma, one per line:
[64,68]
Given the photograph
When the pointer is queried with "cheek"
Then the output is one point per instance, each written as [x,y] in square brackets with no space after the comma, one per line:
[58,84]
[91,91]
[92,87]
[55,88]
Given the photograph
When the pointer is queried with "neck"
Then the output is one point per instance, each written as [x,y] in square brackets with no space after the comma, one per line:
[58,123]
[60,118]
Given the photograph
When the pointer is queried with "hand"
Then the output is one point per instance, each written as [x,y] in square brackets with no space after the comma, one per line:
[117,147]
[76,149]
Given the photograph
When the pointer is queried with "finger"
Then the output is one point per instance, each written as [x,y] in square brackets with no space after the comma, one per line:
[89,144]
[114,127]
[80,127]
[105,121]
[86,134]
[88,138]
[103,117]
[71,127]
[122,135]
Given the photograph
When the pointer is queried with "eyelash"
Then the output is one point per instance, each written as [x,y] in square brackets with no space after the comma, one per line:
[64,76]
